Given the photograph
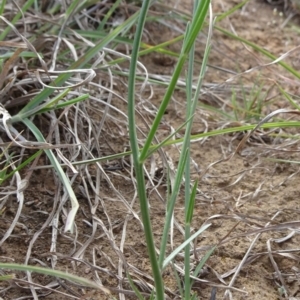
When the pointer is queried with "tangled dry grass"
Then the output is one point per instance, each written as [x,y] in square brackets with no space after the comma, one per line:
[77,99]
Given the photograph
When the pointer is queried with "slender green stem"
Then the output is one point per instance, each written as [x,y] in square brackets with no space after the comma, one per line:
[196,26]
[139,170]
[187,173]
[191,35]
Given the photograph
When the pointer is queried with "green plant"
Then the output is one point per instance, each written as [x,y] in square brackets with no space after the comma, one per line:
[58,96]
[139,156]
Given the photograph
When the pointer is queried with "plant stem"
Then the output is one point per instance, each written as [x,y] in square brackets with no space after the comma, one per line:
[139,170]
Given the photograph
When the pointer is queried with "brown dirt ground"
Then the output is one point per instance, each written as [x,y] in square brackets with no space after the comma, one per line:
[238,195]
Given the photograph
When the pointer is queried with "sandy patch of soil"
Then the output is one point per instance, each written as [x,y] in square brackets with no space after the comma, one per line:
[240,195]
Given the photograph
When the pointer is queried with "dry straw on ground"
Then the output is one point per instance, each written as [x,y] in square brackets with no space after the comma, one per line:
[251,201]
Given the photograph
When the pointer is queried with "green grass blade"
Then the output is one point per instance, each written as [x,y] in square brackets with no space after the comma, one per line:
[108,15]
[191,205]
[171,205]
[261,50]
[230,130]
[20,166]
[283,160]
[77,64]
[182,165]
[178,281]
[7,277]
[37,109]
[3,169]
[54,273]
[61,174]
[183,245]
[187,173]
[16,18]
[230,11]
[24,54]
[134,288]
[154,148]
[2,6]
[290,100]
[138,165]
[159,48]
[203,261]
[195,28]
[52,104]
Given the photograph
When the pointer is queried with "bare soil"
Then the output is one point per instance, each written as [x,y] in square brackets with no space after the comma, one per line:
[240,195]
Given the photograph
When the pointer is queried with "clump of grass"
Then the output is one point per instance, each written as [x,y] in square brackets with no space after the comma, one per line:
[57,93]
[56,77]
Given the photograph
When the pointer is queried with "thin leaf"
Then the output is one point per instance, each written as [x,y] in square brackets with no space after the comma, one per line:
[183,245]
[61,174]
[54,273]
